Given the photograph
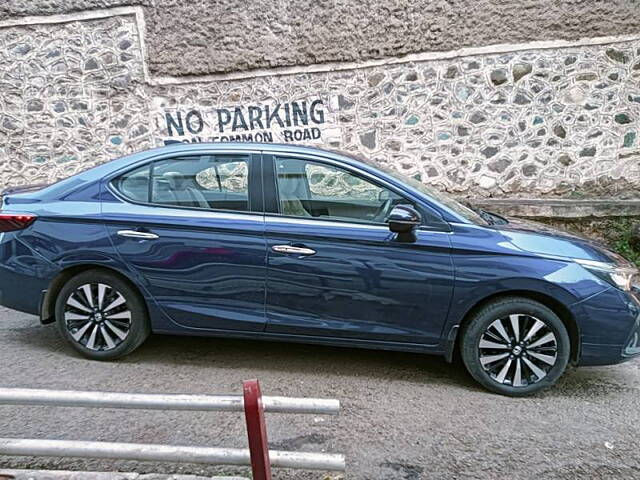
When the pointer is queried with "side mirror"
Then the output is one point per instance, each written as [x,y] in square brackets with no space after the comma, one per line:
[403,220]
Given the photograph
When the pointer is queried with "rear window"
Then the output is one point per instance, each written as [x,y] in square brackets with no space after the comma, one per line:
[134,185]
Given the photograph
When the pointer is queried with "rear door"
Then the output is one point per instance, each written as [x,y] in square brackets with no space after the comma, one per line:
[335,269]
[191,228]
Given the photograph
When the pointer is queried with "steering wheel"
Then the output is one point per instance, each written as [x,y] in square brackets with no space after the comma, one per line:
[384,211]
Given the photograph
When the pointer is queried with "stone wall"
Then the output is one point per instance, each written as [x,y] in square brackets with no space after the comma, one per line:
[195,37]
[70,93]
[542,119]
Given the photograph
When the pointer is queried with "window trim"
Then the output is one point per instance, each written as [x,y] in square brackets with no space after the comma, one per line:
[254,164]
[441,229]
[272,157]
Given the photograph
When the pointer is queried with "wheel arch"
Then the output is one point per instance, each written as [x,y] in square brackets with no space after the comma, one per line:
[48,301]
[550,302]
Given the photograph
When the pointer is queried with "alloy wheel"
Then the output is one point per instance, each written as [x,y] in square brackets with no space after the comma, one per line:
[518,350]
[97,317]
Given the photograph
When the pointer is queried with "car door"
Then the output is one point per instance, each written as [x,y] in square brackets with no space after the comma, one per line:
[191,228]
[334,268]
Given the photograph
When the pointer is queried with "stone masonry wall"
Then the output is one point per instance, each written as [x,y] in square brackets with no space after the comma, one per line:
[553,119]
[195,37]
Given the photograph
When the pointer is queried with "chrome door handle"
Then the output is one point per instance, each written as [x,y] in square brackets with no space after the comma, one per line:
[293,250]
[137,234]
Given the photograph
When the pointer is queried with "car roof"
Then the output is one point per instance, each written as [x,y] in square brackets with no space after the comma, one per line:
[238,145]
[97,172]
[181,147]
[122,163]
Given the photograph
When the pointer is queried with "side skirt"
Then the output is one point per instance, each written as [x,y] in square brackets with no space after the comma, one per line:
[329,341]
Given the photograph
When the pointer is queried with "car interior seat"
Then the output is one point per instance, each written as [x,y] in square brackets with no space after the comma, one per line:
[185,192]
[289,186]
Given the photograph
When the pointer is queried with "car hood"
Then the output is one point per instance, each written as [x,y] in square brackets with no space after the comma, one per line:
[539,238]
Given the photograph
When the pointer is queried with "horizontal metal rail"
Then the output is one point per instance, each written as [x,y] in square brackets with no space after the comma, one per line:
[145,401]
[166,453]
[251,402]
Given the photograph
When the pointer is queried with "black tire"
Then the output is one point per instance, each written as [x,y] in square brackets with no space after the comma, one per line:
[107,343]
[483,327]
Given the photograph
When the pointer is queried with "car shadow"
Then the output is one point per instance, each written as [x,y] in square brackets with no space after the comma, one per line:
[252,357]
[267,356]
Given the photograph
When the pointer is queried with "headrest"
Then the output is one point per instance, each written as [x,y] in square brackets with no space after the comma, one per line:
[176,180]
[290,184]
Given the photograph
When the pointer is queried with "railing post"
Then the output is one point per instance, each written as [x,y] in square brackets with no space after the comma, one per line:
[256,430]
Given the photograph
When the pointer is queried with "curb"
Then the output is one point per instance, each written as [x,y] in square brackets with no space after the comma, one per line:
[75,475]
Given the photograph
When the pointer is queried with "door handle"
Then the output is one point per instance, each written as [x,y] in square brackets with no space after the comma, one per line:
[290,249]
[137,234]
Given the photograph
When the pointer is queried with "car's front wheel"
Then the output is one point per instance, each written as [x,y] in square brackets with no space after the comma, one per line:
[515,346]
[101,315]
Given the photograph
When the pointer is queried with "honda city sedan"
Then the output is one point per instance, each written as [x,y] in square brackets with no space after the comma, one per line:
[278,242]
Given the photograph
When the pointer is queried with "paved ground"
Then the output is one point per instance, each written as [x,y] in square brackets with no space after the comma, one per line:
[6,474]
[404,416]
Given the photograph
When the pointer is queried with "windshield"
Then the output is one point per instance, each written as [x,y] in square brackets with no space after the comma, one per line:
[445,199]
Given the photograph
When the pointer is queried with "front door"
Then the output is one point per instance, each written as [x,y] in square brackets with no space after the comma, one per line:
[192,229]
[334,268]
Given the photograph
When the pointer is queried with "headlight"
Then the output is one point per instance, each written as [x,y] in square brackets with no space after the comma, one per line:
[625,278]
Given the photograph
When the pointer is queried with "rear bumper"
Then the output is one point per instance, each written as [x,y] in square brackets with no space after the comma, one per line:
[21,292]
[23,276]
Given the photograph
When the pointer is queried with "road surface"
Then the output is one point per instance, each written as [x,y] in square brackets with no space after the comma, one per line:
[404,416]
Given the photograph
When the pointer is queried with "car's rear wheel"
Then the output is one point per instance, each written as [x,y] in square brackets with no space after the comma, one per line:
[515,346]
[101,315]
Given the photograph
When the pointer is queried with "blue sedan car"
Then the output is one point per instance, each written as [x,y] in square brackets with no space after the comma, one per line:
[277,242]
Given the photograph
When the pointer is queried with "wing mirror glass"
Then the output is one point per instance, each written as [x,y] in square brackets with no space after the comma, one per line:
[403,220]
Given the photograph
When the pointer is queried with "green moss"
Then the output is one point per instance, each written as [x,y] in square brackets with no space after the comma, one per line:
[629,139]
[412,120]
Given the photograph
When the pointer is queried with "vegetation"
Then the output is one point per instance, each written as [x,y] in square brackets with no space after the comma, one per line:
[624,239]
[621,234]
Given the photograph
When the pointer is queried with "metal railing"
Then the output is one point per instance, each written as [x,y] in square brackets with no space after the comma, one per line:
[252,403]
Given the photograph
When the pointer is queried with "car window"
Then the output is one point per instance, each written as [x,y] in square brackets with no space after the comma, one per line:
[313,189]
[207,182]
[134,185]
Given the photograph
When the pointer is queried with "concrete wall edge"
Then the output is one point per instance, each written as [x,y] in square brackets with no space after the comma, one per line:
[561,209]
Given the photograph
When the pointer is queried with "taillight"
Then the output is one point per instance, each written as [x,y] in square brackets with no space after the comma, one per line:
[10,222]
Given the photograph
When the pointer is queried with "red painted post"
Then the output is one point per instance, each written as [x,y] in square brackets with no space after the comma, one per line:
[256,430]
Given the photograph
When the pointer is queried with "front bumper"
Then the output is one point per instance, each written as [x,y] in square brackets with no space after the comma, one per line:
[594,355]
[610,328]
